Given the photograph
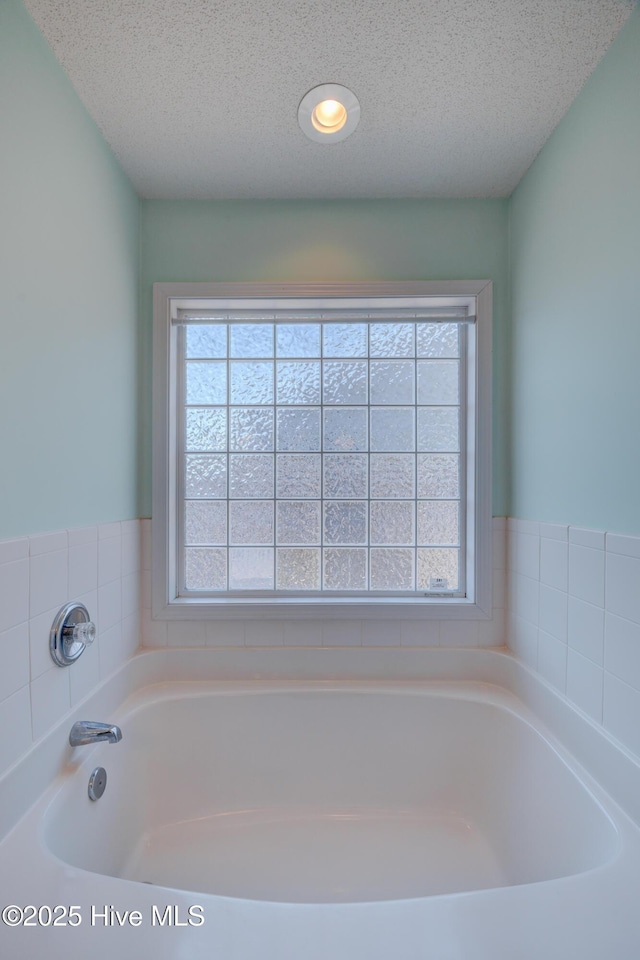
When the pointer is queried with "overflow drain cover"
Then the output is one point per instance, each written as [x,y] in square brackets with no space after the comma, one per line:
[97,783]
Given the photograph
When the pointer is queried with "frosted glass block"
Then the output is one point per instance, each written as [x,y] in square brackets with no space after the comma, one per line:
[345,569]
[207,341]
[299,430]
[298,382]
[391,569]
[392,428]
[206,428]
[205,476]
[251,382]
[251,521]
[438,476]
[298,340]
[345,428]
[391,340]
[345,475]
[344,382]
[298,521]
[438,570]
[251,429]
[206,381]
[345,339]
[438,381]
[251,340]
[438,521]
[205,522]
[205,568]
[298,476]
[438,340]
[392,476]
[438,428]
[392,381]
[345,522]
[250,476]
[298,569]
[391,521]
[251,568]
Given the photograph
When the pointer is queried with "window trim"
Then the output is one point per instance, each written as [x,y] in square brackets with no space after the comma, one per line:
[164,411]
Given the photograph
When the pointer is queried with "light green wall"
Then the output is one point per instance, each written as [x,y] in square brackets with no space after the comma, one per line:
[69,233]
[332,240]
[575,255]
[69,270]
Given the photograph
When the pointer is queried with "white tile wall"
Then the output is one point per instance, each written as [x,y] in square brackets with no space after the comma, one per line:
[331,633]
[382,633]
[586,573]
[100,566]
[48,581]
[585,681]
[15,717]
[622,711]
[552,659]
[583,633]
[83,566]
[554,562]
[623,586]
[553,611]
[297,633]
[14,593]
[186,634]
[622,643]
[586,629]
[14,652]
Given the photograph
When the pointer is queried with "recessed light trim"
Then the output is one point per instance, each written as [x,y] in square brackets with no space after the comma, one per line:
[329,113]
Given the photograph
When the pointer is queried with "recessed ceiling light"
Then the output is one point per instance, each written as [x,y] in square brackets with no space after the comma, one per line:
[329,116]
[328,113]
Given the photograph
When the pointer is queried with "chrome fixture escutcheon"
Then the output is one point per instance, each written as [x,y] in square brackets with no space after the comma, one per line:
[97,783]
[71,633]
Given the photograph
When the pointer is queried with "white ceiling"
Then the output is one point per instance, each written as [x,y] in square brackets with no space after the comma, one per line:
[199,98]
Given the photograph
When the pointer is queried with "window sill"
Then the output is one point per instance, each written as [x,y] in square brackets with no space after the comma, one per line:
[383,608]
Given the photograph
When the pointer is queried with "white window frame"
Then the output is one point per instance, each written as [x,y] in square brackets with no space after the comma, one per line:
[166,605]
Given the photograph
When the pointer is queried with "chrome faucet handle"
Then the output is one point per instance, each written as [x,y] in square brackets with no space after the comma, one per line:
[88,731]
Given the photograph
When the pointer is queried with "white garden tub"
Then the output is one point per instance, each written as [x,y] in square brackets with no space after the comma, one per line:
[450,811]
[323,794]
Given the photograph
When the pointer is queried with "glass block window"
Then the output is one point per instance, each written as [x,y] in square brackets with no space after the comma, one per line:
[322,454]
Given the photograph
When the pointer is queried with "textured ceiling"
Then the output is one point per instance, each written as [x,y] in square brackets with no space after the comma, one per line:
[199,98]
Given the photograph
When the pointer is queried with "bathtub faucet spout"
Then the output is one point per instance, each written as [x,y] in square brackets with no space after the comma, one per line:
[88,731]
